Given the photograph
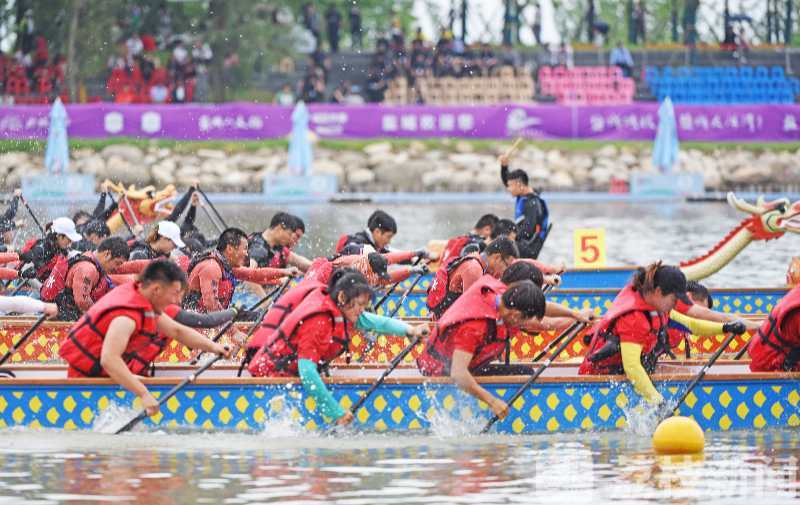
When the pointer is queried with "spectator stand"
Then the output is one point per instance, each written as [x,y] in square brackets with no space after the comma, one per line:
[723,85]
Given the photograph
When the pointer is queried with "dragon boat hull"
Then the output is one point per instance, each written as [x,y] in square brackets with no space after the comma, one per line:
[44,344]
[558,402]
[739,300]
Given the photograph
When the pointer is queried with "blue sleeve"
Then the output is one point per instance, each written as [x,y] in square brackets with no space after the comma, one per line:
[314,386]
[369,321]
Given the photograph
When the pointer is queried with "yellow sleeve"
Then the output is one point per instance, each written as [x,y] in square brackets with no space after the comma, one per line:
[696,326]
[632,364]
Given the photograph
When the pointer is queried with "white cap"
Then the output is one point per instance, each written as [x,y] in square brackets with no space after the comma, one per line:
[171,231]
[65,226]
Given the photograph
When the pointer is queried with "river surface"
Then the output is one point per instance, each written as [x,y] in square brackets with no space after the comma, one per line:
[168,468]
[635,233]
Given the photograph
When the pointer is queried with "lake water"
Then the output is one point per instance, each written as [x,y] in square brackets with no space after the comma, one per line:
[169,468]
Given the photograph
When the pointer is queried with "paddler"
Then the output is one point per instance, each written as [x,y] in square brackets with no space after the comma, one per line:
[273,247]
[8,223]
[530,211]
[475,329]
[633,333]
[460,273]
[318,330]
[480,235]
[776,346]
[381,228]
[39,257]
[164,238]
[213,275]
[94,232]
[75,284]
[121,335]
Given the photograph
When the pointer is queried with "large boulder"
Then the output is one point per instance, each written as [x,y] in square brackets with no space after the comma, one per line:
[327,167]
[126,172]
[127,152]
[213,154]
[360,177]
[94,165]
[378,148]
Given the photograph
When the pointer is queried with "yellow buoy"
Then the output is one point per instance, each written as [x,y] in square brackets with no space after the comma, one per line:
[678,435]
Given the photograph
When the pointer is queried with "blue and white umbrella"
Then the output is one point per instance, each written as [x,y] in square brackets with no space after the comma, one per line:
[56,156]
[300,154]
[667,145]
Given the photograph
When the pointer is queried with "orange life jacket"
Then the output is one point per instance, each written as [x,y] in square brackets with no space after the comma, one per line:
[84,344]
[476,303]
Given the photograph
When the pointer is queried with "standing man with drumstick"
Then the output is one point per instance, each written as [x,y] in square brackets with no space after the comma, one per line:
[530,211]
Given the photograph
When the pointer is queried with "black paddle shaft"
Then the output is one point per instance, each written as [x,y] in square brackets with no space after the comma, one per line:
[394,363]
[172,392]
[702,372]
[33,216]
[572,331]
[219,216]
[13,349]
[391,289]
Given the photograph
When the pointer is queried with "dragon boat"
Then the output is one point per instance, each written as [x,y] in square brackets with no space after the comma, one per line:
[728,398]
[43,345]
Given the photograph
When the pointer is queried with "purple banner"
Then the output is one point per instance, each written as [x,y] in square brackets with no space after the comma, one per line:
[772,123]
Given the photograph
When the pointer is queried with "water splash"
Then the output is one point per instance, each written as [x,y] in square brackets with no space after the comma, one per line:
[281,422]
[114,417]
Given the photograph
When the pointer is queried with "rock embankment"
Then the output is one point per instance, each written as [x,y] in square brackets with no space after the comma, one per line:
[380,166]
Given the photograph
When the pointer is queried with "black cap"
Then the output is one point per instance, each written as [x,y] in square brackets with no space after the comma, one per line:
[98,227]
[379,265]
[672,281]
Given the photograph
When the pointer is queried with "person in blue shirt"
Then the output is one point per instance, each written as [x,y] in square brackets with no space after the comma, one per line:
[530,211]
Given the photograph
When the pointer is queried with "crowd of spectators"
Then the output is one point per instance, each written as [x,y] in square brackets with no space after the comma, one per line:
[30,74]
[448,57]
[136,73]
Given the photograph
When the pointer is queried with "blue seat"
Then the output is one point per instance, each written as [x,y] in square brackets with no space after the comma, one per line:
[761,72]
[746,72]
[777,72]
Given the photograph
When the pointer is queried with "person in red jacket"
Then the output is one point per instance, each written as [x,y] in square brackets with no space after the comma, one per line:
[213,276]
[121,335]
[474,332]
[76,284]
[776,346]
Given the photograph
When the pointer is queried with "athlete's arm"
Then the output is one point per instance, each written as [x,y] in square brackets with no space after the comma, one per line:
[632,364]
[301,262]
[557,310]
[114,345]
[459,372]
[189,337]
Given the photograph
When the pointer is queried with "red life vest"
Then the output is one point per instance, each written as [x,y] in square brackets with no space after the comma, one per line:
[477,303]
[320,270]
[454,246]
[440,297]
[343,240]
[278,356]
[84,344]
[225,288]
[604,356]
[282,307]
[43,270]
[278,255]
[55,288]
[771,350]
[29,245]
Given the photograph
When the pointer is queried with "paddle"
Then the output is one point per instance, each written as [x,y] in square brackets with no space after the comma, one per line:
[172,392]
[391,289]
[230,323]
[13,349]
[392,365]
[219,216]
[127,203]
[572,331]
[701,374]
[33,216]
[219,228]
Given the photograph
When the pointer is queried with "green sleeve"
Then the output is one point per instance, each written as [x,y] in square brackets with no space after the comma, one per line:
[369,321]
[314,386]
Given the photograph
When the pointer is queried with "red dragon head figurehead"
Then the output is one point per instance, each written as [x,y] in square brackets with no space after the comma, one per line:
[769,220]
